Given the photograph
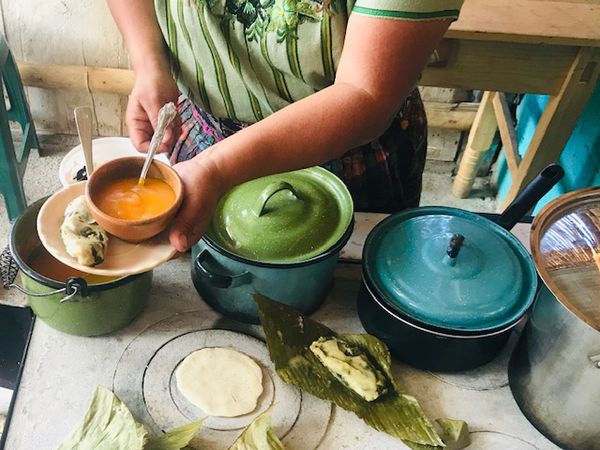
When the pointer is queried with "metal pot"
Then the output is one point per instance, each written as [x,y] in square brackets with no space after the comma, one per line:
[444,288]
[279,236]
[554,371]
[74,307]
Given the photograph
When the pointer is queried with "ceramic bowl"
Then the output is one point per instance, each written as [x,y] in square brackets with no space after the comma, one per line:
[132,230]
[105,149]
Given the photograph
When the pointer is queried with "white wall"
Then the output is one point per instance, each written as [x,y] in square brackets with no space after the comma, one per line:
[67,32]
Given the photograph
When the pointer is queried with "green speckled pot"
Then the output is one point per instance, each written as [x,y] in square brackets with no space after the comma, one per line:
[279,236]
[104,308]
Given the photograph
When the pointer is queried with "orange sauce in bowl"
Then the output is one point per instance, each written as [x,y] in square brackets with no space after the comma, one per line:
[42,262]
[128,200]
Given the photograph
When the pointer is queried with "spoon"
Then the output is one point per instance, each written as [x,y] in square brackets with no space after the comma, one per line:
[165,117]
[83,120]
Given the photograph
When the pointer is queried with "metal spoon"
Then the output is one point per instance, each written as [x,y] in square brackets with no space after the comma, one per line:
[83,120]
[165,117]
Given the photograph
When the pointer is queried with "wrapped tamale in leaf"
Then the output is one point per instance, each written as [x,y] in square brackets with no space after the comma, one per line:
[289,336]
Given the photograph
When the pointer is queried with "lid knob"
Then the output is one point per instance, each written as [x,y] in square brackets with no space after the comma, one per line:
[269,191]
[454,246]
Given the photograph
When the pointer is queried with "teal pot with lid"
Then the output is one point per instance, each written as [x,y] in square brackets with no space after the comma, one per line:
[444,287]
[277,236]
[74,307]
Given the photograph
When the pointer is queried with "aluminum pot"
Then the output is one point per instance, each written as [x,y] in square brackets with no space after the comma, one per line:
[554,371]
[279,236]
[74,307]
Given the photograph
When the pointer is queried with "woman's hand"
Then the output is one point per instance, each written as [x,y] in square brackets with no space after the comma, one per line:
[203,187]
[151,91]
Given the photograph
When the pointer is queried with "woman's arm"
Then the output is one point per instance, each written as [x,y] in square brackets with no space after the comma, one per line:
[380,63]
[154,85]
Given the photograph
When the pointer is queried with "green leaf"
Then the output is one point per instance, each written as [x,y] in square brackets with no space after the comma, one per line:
[175,439]
[289,335]
[455,433]
[258,435]
[107,425]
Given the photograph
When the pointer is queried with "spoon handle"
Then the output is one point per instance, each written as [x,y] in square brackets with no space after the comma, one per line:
[165,117]
[83,120]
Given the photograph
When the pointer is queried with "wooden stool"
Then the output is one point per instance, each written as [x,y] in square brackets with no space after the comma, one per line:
[13,163]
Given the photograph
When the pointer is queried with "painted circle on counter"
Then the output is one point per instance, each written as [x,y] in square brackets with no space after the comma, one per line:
[145,380]
[495,440]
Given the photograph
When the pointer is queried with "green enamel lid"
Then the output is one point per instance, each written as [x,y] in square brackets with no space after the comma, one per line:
[283,218]
[449,269]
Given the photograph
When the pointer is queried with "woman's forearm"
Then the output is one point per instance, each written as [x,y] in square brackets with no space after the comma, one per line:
[137,22]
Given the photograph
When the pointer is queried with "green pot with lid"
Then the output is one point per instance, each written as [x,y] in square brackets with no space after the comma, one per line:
[279,236]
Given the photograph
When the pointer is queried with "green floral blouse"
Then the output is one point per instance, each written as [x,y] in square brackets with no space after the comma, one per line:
[245,59]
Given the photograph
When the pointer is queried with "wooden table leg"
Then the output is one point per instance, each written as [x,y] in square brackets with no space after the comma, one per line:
[480,138]
[557,121]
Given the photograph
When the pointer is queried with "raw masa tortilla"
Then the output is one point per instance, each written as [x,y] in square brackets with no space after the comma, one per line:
[81,234]
[220,381]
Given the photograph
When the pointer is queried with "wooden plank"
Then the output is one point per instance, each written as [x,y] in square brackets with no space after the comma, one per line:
[455,116]
[557,121]
[480,139]
[507,132]
[503,67]
[529,21]
[77,78]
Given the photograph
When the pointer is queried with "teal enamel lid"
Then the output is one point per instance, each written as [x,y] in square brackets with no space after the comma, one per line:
[284,218]
[449,269]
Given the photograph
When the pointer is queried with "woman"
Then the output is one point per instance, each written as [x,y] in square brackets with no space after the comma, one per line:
[276,85]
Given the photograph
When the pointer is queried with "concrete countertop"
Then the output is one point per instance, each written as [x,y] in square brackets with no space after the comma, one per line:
[61,372]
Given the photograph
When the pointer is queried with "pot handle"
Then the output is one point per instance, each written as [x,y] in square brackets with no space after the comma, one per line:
[219,280]
[531,194]
[9,270]
[270,191]
[71,289]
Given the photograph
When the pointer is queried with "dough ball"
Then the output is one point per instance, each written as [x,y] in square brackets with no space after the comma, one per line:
[220,381]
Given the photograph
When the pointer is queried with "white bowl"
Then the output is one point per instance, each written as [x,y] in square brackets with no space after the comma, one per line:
[104,150]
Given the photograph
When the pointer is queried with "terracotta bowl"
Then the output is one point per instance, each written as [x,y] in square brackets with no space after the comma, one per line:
[132,230]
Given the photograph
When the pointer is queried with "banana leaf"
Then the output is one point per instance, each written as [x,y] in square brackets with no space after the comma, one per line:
[107,425]
[289,335]
[258,435]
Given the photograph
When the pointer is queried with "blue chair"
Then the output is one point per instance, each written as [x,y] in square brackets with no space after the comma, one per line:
[13,163]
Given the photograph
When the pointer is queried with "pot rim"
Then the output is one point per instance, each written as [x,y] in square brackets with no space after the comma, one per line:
[519,249]
[24,267]
[544,218]
[440,332]
[335,248]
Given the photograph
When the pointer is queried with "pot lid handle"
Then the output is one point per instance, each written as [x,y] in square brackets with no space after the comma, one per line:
[269,191]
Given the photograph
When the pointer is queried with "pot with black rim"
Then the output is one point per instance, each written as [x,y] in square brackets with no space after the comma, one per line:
[80,305]
[279,236]
[443,287]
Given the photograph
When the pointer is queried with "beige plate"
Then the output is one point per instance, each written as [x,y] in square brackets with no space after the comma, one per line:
[122,258]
